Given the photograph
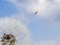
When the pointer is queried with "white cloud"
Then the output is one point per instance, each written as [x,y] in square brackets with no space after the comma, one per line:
[14,26]
[47,9]
[44,7]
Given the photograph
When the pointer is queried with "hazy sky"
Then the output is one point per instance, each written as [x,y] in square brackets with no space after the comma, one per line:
[44,27]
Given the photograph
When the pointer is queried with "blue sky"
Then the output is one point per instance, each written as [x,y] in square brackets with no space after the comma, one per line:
[7,9]
[43,26]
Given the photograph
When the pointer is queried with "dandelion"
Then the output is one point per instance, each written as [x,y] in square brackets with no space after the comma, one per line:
[13,32]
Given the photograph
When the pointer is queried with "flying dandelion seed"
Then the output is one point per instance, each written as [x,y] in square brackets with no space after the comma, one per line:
[15,32]
[36,12]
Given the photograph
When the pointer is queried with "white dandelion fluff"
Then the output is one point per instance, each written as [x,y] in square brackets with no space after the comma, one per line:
[15,27]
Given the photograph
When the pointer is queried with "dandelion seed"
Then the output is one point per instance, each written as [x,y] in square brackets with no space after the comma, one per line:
[8,39]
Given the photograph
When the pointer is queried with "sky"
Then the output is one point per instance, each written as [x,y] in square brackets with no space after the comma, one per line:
[40,29]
